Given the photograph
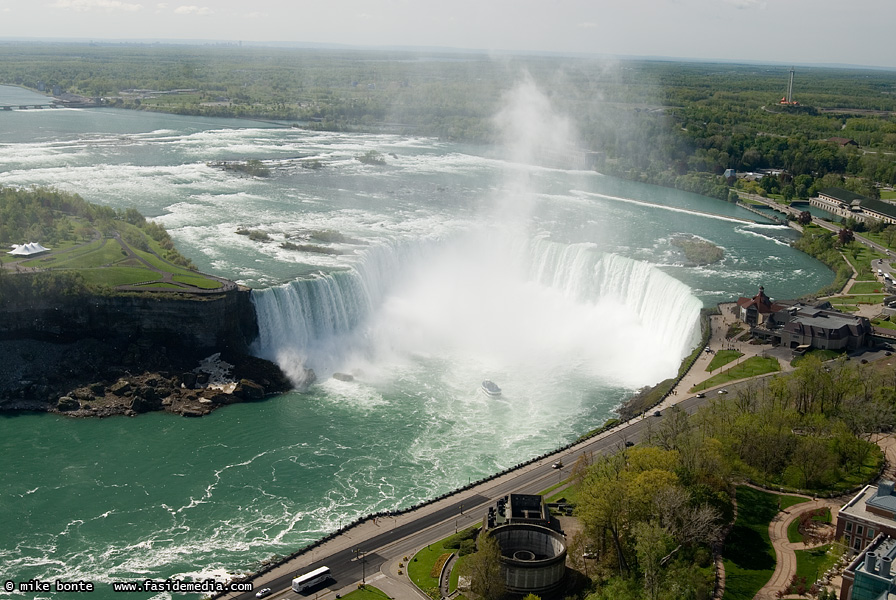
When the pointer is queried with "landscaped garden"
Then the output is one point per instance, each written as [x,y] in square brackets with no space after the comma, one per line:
[749,555]
[425,567]
[751,367]
[722,358]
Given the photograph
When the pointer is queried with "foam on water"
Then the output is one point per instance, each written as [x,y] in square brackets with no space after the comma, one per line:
[461,267]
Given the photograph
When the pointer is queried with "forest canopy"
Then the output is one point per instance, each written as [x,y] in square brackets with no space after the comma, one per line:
[677,124]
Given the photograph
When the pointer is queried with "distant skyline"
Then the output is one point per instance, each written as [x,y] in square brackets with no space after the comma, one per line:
[765,31]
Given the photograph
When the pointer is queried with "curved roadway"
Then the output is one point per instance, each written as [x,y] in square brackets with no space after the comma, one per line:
[389,539]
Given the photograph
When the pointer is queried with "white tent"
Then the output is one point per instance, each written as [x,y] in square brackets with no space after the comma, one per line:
[28,249]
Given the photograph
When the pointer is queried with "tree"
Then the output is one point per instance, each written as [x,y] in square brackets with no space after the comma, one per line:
[805,218]
[813,461]
[651,545]
[484,569]
[845,236]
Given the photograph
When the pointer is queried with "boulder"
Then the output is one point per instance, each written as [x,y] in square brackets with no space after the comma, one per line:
[189,380]
[67,403]
[120,387]
[217,397]
[140,404]
[248,390]
[193,412]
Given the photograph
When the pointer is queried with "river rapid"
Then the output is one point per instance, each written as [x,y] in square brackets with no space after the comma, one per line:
[447,265]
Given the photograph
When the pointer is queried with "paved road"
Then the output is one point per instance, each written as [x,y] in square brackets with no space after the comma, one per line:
[386,541]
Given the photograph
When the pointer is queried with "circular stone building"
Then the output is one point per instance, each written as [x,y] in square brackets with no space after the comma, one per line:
[533,557]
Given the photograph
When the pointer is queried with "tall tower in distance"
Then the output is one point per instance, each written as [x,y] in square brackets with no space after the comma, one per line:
[788,99]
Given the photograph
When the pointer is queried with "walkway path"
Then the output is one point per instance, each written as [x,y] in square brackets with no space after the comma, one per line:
[785,568]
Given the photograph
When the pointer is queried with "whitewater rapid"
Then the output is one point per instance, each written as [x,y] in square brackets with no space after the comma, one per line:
[445,267]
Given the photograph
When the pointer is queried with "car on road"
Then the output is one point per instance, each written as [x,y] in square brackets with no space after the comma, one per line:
[263,592]
[557,465]
[657,413]
[700,395]
[723,391]
[629,444]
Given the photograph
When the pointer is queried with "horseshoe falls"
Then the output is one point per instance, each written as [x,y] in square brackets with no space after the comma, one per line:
[414,281]
[567,309]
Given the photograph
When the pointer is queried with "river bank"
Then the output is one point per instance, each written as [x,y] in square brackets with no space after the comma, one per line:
[91,378]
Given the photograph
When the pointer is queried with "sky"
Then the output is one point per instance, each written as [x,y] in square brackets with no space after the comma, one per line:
[765,31]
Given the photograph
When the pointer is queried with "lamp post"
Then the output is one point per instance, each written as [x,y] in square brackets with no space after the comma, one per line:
[360,556]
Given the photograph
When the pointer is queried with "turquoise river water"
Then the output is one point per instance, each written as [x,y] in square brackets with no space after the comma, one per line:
[448,265]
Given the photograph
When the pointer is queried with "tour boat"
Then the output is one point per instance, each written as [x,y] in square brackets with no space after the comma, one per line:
[491,388]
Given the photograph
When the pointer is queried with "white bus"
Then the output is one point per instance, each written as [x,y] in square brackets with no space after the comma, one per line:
[310,579]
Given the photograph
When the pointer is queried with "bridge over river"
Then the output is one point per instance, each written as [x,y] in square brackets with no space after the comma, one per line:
[27,106]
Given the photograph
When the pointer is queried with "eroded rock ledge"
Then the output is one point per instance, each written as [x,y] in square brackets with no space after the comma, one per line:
[92,379]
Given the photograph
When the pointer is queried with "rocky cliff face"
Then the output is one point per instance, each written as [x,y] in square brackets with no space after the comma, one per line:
[193,326]
[99,356]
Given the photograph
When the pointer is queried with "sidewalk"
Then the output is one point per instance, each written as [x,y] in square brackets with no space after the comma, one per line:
[785,567]
[719,325]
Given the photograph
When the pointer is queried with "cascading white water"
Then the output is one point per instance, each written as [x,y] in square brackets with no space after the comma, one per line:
[662,304]
[315,320]
[535,302]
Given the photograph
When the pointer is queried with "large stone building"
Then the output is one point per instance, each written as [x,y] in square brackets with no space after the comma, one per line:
[533,551]
[796,325]
[846,204]
[870,576]
[870,512]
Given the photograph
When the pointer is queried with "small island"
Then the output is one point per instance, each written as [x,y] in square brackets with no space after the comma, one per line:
[697,251]
[252,167]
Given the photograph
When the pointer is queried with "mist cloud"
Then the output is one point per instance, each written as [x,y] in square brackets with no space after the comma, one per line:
[89,5]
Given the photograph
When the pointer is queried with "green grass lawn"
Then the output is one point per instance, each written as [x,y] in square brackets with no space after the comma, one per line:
[749,556]
[812,564]
[722,358]
[857,299]
[755,365]
[860,257]
[199,281]
[367,592]
[106,263]
[420,567]
[885,324]
[866,287]
[823,355]
[114,276]
[569,494]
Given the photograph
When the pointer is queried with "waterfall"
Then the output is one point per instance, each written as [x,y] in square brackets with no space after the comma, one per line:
[517,299]
[310,322]
[664,305]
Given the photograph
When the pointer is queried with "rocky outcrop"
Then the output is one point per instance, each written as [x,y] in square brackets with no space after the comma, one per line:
[124,393]
[135,354]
